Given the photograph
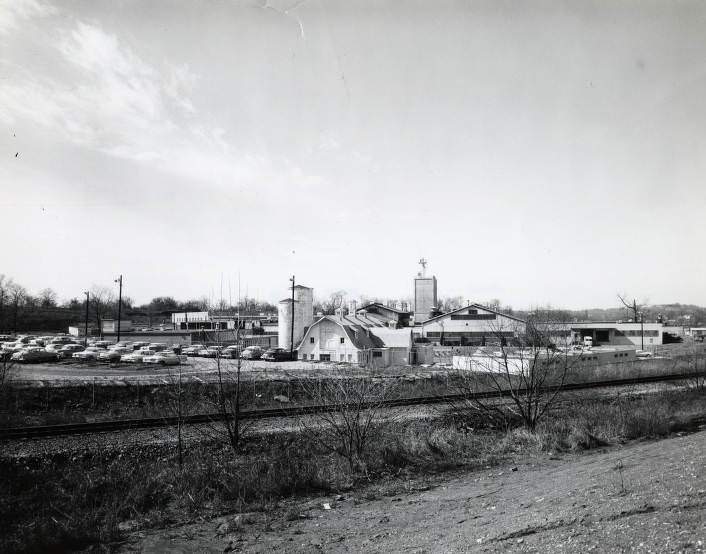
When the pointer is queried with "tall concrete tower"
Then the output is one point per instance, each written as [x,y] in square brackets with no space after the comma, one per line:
[303,307]
[425,299]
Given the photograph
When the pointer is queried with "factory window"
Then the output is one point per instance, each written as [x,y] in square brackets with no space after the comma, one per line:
[311,340]
[472,316]
[343,340]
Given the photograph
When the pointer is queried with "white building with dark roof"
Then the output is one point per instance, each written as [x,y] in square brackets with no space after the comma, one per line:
[349,339]
[470,325]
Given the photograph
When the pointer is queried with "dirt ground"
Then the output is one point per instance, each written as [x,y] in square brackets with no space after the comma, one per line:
[641,497]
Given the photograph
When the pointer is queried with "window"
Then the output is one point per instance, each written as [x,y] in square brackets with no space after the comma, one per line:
[324,357]
[342,357]
[377,354]
[472,316]
[311,340]
[350,357]
[343,340]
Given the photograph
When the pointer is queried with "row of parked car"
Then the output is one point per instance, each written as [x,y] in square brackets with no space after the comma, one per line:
[30,348]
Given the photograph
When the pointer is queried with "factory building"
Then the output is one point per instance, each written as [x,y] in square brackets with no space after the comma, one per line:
[351,339]
[471,325]
[303,308]
[379,315]
[619,333]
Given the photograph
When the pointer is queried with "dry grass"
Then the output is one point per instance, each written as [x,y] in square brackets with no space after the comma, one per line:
[66,502]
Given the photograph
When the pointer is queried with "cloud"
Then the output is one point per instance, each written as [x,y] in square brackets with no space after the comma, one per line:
[112,101]
[12,12]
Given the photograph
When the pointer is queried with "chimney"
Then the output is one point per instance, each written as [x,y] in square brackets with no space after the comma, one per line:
[339,313]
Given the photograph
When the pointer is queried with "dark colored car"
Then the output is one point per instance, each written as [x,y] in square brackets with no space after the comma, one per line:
[277,355]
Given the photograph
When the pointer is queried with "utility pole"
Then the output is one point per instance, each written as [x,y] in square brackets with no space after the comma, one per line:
[85,331]
[291,344]
[642,330]
[119,280]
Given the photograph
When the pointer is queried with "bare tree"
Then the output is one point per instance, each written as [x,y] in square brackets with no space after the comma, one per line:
[638,316]
[334,302]
[357,413]
[230,426]
[47,298]
[527,364]
[102,300]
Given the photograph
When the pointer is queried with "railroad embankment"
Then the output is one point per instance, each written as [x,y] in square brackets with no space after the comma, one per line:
[80,497]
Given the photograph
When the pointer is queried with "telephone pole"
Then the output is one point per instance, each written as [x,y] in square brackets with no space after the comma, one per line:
[291,344]
[85,331]
[119,280]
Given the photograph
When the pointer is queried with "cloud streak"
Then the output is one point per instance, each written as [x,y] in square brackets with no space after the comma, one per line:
[116,103]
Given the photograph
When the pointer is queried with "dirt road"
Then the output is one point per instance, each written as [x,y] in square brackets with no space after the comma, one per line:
[643,497]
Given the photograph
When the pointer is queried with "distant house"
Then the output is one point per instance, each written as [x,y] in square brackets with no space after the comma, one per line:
[342,338]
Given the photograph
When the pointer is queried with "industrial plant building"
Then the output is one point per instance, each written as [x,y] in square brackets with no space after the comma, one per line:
[472,325]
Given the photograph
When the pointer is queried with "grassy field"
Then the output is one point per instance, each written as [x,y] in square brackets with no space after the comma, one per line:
[60,501]
[84,401]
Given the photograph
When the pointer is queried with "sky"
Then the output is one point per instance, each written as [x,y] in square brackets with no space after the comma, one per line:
[540,153]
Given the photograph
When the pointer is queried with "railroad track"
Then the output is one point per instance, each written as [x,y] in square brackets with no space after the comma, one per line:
[168,421]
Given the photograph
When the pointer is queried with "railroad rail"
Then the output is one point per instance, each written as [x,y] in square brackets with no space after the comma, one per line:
[168,421]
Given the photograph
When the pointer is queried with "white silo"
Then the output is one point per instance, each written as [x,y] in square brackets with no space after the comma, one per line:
[303,316]
[284,323]
[305,296]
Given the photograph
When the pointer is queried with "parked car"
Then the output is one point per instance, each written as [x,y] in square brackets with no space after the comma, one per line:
[34,354]
[232,351]
[102,344]
[113,354]
[136,356]
[252,353]
[210,352]
[139,344]
[157,346]
[67,350]
[277,355]
[163,358]
[90,353]
[193,350]
[61,340]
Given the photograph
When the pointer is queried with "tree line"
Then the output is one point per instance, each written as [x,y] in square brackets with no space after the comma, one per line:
[20,310]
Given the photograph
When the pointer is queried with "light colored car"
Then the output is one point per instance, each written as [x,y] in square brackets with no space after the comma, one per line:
[114,354]
[252,353]
[136,356]
[231,351]
[162,358]
[102,344]
[210,352]
[67,350]
[90,353]
[61,340]
[34,354]
[193,350]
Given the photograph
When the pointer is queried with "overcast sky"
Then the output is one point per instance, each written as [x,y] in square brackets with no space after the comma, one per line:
[535,152]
